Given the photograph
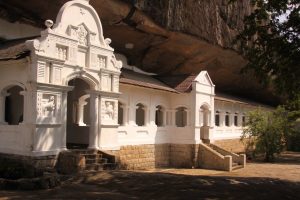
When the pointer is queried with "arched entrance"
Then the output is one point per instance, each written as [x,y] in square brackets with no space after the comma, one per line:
[78,115]
[205,123]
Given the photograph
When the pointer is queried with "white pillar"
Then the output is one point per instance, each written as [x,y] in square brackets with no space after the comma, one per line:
[201,119]
[131,114]
[231,119]
[64,119]
[173,117]
[125,114]
[93,136]
[222,118]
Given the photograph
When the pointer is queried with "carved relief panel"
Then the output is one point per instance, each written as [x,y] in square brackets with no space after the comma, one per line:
[61,52]
[109,112]
[48,107]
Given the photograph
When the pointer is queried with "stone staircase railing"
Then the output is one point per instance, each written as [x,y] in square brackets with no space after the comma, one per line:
[210,159]
[238,160]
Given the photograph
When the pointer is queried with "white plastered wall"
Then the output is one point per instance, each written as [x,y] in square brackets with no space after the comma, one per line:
[73,48]
[15,139]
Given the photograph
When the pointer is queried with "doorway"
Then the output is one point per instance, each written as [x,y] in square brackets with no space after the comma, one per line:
[78,115]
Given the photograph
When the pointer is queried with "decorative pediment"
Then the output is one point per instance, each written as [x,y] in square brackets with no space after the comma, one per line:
[80,20]
[204,78]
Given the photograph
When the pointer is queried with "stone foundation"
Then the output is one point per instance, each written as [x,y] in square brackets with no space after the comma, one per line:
[182,155]
[232,145]
[156,156]
[40,162]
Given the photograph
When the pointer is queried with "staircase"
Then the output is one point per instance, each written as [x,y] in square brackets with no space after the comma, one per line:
[97,160]
[238,161]
[78,160]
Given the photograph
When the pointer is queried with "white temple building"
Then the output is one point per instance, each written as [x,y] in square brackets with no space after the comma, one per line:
[68,89]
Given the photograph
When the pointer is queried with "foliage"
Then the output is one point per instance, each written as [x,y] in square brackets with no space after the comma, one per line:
[270,42]
[267,131]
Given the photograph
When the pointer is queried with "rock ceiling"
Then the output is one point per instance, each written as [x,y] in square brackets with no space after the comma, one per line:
[165,38]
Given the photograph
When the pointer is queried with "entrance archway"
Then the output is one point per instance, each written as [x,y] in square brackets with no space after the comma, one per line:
[78,115]
[205,122]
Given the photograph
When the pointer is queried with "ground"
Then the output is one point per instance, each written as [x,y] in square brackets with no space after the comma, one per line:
[280,180]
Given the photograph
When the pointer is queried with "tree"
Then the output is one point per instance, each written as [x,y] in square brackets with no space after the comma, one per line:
[270,42]
[266,131]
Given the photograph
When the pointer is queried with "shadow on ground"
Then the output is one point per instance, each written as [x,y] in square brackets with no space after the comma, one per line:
[158,185]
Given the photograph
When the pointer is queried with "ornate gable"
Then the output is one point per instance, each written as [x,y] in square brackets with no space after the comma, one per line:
[204,78]
[74,43]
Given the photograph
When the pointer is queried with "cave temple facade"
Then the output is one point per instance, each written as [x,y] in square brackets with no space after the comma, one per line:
[68,89]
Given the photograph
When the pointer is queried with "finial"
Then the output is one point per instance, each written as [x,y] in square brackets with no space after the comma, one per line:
[49,23]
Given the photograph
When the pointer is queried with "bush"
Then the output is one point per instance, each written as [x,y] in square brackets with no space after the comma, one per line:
[266,132]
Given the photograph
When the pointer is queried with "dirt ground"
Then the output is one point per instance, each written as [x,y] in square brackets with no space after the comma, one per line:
[280,180]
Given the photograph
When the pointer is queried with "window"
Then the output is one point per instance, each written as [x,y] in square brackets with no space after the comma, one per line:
[159,116]
[236,119]
[181,117]
[227,119]
[217,118]
[120,114]
[140,115]
[14,106]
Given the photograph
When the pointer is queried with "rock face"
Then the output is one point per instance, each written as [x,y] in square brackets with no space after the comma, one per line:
[167,36]
[216,21]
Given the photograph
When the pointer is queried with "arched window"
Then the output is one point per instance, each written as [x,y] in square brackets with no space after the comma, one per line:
[120,114]
[159,120]
[236,119]
[227,119]
[217,118]
[140,114]
[14,106]
[181,117]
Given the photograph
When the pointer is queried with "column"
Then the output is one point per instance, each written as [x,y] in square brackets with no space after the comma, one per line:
[231,119]
[125,114]
[173,117]
[201,118]
[131,114]
[93,137]
[64,119]
[164,122]
[222,118]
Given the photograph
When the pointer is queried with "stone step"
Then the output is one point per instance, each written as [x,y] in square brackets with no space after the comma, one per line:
[110,166]
[90,161]
[92,156]
[94,167]
[237,167]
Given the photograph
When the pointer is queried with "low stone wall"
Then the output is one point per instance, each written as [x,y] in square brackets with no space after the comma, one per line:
[156,156]
[232,145]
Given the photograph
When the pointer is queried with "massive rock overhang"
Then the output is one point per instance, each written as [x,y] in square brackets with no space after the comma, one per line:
[151,47]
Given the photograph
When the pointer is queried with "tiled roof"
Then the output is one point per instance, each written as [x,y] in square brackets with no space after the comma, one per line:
[181,83]
[142,80]
[234,99]
[14,49]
